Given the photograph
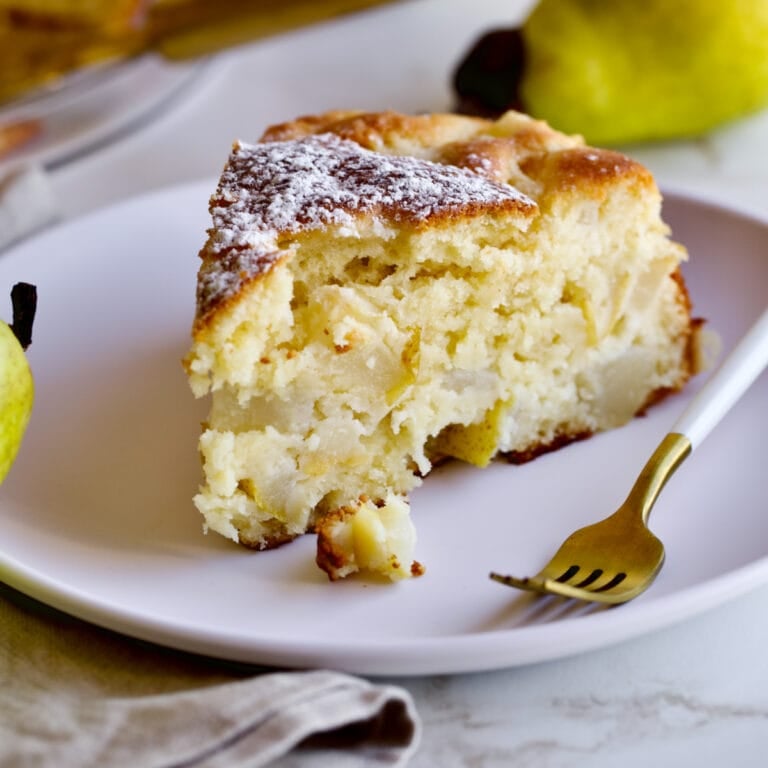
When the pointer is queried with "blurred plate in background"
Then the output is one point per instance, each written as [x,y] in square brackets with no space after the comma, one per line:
[92,107]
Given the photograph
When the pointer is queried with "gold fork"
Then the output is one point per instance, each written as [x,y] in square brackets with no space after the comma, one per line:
[618,558]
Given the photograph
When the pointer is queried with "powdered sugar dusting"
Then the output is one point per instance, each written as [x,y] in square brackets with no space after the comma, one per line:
[286,187]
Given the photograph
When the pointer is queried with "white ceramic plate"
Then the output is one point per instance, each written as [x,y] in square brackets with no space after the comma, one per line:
[92,106]
[96,517]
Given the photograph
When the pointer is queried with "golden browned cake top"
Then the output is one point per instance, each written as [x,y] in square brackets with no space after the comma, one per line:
[279,188]
[339,167]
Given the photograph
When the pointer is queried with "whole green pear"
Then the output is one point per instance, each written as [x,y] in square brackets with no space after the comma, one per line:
[16,396]
[621,71]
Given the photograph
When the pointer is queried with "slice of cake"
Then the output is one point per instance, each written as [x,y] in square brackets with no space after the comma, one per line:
[381,291]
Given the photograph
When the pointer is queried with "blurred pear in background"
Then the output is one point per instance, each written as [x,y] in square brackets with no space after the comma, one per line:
[626,71]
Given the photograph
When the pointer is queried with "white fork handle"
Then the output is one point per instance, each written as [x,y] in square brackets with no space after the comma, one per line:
[726,385]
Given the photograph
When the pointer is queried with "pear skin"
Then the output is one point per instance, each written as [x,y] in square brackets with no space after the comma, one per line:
[641,70]
[16,397]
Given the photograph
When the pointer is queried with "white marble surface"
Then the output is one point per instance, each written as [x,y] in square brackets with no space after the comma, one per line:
[693,694]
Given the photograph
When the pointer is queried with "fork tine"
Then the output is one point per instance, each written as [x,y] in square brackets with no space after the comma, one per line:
[611,597]
[612,582]
[529,583]
[606,592]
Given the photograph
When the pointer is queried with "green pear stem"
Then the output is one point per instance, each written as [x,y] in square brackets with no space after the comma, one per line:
[24,301]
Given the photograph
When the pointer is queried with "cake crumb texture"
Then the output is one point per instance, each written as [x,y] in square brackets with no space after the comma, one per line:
[380,292]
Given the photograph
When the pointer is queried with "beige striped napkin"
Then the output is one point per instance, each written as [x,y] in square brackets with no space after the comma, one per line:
[73,695]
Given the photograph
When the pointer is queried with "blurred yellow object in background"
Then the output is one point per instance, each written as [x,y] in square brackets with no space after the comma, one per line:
[632,70]
[41,40]
[626,70]
[105,15]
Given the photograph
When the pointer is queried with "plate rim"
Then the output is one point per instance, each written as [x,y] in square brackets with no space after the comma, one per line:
[455,654]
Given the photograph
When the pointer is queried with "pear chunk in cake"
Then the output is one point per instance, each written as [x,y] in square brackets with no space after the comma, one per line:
[382,291]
